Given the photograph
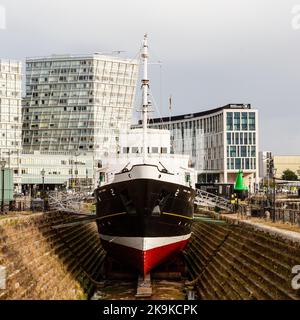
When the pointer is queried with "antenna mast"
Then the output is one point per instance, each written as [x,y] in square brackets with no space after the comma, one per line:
[145,86]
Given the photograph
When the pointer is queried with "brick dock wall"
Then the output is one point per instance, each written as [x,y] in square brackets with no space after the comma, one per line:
[43,263]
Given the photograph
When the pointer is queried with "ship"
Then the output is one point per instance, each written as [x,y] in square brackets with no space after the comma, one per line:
[145,206]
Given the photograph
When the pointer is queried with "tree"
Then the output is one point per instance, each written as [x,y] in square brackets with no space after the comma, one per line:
[289,175]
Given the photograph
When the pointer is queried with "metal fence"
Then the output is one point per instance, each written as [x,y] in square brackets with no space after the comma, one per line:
[288,215]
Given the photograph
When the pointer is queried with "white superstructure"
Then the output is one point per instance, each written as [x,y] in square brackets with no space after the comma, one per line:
[150,159]
[158,154]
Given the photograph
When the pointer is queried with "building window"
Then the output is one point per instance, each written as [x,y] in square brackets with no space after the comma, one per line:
[247,166]
[236,138]
[229,138]
[250,138]
[241,138]
[237,125]
[237,163]
[243,151]
[232,151]
[252,121]
[245,138]
[229,121]
[253,151]
[244,120]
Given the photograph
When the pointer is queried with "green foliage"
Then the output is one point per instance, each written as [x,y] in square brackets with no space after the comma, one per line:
[289,175]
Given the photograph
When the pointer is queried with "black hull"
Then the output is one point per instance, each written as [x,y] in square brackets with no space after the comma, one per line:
[145,208]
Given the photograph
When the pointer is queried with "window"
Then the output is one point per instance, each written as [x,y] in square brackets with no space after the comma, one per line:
[243,151]
[247,165]
[126,150]
[228,138]
[232,151]
[236,138]
[252,121]
[229,121]
[250,138]
[135,150]
[154,149]
[164,150]
[245,138]
[237,125]
[244,120]
[237,163]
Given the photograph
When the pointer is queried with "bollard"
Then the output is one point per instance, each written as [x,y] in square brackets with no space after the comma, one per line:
[191,294]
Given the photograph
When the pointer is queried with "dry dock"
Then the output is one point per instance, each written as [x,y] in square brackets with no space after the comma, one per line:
[227,258]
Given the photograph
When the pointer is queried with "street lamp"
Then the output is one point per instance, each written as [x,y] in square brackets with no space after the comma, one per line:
[43,177]
[86,178]
[274,170]
[76,171]
[2,165]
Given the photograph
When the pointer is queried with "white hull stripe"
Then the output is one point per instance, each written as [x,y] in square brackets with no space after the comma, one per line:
[146,243]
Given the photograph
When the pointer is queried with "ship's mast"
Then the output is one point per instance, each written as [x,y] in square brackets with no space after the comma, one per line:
[145,86]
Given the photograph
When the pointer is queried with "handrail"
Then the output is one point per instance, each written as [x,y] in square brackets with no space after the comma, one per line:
[212,200]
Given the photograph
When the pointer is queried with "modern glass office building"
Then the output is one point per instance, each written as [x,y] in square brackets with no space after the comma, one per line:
[77,103]
[220,141]
[75,106]
[10,116]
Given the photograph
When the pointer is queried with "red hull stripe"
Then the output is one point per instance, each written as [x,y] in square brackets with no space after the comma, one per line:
[143,260]
[144,243]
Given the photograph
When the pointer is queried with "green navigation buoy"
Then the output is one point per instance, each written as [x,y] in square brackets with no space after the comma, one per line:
[240,188]
[239,182]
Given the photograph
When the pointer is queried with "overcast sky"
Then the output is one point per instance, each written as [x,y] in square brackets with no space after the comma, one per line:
[213,52]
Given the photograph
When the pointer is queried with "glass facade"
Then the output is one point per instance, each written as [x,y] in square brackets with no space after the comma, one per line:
[77,103]
[241,140]
[10,115]
[201,138]
[219,141]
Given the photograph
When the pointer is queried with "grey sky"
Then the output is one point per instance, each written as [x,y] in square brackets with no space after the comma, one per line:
[214,52]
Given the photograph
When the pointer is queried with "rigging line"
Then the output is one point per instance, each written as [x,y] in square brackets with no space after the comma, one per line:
[165,125]
[155,105]
[154,55]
